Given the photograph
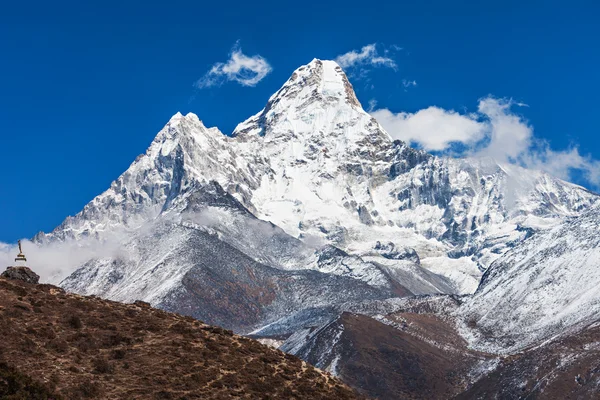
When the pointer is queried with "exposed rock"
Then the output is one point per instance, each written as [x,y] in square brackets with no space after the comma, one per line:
[21,274]
[390,251]
[364,215]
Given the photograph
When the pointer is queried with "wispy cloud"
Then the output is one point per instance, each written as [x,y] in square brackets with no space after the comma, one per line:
[372,105]
[240,68]
[408,83]
[495,130]
[359,63]
[367,56]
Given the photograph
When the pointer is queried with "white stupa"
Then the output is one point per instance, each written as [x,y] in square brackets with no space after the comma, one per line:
[21,260]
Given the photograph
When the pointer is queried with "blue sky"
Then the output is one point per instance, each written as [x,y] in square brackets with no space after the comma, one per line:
[85,87]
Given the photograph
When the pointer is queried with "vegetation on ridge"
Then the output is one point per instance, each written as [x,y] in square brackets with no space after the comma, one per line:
[85,347]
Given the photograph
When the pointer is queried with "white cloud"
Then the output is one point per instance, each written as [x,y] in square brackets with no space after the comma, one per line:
[372,105]
[512,139]
[407,83]
[240,68]
[509,134]
[495,131]
[55,261]
[434,128]
[367,56]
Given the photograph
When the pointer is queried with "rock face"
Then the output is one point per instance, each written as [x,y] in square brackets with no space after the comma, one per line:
[109,350]
[21,274]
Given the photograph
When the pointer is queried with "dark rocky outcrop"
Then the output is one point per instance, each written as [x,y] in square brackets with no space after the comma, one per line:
[24,274]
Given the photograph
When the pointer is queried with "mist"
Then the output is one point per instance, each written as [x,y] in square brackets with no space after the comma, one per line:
[55,261]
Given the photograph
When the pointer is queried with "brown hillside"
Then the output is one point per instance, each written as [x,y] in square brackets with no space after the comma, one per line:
[422,358]
[87,348]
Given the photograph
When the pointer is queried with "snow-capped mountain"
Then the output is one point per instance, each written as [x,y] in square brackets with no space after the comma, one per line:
[545,287]
[315,164]
[309,223]
[320,169]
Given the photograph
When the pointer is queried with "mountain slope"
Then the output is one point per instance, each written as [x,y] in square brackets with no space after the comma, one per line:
[386,362]
[546,286]
[87,348]
[413,348]
[565,368]
[195,260]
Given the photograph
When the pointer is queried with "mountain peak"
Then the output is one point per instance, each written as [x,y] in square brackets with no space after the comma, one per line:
[327,78]
[315,91]
[188,126]
[178,115]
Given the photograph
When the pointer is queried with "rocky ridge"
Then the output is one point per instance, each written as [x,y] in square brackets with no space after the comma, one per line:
[78,347]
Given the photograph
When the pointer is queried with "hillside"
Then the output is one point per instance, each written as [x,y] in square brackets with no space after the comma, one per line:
[411,349]
[87,348]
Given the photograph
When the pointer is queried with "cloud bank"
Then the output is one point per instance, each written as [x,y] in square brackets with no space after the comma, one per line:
[495,131]
[240,68]
[55,261]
